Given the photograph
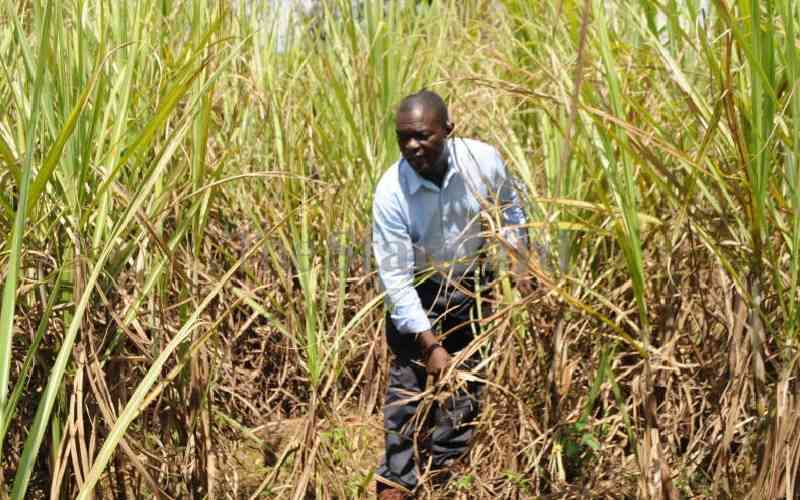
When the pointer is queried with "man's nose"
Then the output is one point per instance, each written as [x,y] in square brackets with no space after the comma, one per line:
[412,144]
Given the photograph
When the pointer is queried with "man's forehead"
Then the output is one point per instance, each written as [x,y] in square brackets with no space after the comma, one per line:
[418,115]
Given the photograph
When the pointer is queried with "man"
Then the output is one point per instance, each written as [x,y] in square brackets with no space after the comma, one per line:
[427,225]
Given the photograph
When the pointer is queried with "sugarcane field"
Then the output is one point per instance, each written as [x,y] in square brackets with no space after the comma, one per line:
[399,249]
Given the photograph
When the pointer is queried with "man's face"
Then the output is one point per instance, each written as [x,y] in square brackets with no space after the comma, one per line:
[421,137]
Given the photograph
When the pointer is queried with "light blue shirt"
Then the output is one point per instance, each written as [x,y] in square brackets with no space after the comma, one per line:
[420,227]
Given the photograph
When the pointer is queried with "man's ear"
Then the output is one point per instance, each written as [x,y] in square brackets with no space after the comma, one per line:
[449,128]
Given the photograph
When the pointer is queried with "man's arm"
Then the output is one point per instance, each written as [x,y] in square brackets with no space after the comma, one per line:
[514,231]
[394,253]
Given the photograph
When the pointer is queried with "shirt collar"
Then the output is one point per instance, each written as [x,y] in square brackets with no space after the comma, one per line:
[415,181]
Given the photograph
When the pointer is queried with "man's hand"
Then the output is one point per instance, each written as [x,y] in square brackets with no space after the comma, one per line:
[435,357]
[525,285]
[438,360]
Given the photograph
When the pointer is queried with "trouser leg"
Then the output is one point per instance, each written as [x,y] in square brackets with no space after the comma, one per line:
[405,381]
[454,420]
[452,423]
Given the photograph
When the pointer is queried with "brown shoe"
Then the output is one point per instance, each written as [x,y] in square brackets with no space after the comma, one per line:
[393,494]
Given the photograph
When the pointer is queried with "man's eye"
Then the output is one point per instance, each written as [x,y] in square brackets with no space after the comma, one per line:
[408,137]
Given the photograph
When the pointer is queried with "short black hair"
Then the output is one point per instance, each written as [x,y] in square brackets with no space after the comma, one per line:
[428,100]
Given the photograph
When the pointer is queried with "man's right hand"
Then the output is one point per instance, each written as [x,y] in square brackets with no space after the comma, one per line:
[437,362]
[435,356]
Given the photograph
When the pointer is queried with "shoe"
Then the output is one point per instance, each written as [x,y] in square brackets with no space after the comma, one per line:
[393,494]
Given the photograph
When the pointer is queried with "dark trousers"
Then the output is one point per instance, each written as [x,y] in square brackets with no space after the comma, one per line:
[446,429]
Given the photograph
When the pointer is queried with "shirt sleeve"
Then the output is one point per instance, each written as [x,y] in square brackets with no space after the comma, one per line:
[394,254]
[514,230]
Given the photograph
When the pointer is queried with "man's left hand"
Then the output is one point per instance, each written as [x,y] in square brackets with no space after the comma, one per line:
[526,285]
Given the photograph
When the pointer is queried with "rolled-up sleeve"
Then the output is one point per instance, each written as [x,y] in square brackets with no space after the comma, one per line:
[394,254]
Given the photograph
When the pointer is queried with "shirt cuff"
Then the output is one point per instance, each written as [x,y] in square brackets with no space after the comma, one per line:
[410,321]
[516,237]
